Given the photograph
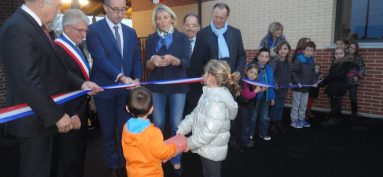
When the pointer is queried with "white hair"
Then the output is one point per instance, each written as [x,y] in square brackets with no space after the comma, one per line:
[74,16]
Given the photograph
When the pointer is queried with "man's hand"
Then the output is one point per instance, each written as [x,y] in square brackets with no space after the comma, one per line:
[64,124]
[89,85]
[128,80]
[76,122]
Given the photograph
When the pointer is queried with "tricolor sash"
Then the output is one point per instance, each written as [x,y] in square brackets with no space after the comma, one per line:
[75,53]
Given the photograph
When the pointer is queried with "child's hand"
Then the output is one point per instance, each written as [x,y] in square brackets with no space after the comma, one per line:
[300,85]
[272,102]
[257,89]
[315,85]
[180,142]
[276,86]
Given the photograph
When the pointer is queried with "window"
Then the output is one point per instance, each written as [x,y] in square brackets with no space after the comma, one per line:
[360,20]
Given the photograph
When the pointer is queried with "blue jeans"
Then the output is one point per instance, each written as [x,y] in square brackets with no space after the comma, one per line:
[176,103]
[261,110]
[276,113]
[245,115]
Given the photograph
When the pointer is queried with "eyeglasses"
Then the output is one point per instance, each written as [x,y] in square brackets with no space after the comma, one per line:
[191,26]
[116,10]
[79,30]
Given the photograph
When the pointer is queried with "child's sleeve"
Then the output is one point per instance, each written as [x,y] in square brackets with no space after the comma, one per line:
[295,71]
[212,123]
[186,125]
[247,93]
[159,149]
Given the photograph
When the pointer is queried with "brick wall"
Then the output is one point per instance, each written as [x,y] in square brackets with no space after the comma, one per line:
[7,8]
[370,91]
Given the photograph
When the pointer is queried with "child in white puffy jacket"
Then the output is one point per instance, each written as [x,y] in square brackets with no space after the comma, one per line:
[209,122]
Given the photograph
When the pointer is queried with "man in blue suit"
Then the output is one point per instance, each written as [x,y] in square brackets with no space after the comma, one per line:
[116,54]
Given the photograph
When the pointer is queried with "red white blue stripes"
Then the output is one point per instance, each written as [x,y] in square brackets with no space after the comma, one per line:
[23,110]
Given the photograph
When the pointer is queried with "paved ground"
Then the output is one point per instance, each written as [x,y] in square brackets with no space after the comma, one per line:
[355,151]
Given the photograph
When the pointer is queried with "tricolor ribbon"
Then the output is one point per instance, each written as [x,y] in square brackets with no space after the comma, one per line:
[22,110]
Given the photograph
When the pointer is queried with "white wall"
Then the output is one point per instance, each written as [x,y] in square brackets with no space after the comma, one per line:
[301,18]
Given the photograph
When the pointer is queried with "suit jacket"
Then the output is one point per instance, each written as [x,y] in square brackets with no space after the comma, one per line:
[79,105]
[107,59]
[34,72]
[206,48]
[179,48]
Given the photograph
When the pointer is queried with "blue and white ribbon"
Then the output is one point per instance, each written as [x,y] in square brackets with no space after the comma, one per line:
[23,110]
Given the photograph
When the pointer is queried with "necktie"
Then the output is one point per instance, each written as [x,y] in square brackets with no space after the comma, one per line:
[45,29]
[118,38]
[191,47]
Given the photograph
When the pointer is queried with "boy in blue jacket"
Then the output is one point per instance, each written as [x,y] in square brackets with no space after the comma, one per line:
[265,98]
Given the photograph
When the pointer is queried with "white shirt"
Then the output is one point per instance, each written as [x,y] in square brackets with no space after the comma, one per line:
[70,40]
[31,13]
[193,43]
[111,26]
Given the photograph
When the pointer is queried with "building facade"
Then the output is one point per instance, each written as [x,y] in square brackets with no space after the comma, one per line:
[323,21]
[316,19]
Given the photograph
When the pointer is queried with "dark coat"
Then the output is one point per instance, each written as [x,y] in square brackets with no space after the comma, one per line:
[34,72]
[336,80]
[179,48]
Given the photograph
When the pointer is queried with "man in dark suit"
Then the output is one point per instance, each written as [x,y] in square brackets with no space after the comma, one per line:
[217,41]
[191,27]
[116,54]
[35,72]
[72,145]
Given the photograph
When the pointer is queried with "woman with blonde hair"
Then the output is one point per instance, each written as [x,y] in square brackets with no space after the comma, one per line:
[167,52]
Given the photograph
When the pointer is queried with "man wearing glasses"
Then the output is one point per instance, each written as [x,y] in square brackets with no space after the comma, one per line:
[34,73]
[72,146]
[114,49]
[191,27]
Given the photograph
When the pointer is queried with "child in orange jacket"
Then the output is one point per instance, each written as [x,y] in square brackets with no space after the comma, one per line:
[142,143]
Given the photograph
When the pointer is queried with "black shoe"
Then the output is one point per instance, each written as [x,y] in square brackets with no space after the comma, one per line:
[331,123]
[280,127]
[274,129]
[250,144]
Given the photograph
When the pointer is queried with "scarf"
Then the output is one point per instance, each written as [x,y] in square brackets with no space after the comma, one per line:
[223,49]
[166,39]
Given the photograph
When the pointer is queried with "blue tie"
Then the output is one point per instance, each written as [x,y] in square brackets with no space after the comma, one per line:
[118,38]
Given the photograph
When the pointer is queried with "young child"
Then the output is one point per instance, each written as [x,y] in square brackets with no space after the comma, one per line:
[142,143]
[303,74]
[342,44]
[282,79]
[337,84]
[354,75]
[266,98]
[313,93]
[300,46]
[209,122]
[246,105]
